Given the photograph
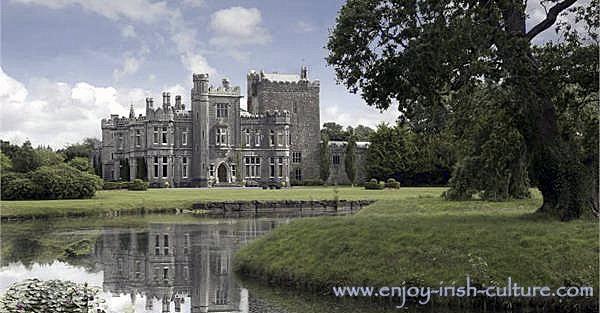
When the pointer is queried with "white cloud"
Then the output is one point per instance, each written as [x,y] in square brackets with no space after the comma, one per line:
[143,11]
[304,27]
[135,10]
[355,114]
[128,31]
[236,27]
[58,113]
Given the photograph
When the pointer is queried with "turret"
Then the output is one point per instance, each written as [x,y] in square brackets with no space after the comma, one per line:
[303,72]
[200,129]
[178,105]
[131,111]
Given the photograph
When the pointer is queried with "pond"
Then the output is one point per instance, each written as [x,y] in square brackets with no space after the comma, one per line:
[156,263]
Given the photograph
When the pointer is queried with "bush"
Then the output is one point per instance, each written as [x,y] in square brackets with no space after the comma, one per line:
[82,164]
[373,184]
[313,182]
[392,183]
[138,184]
[63,182]
[113,185]
[18,189]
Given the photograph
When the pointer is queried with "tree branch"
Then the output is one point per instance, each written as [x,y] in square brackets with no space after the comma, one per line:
[550,18]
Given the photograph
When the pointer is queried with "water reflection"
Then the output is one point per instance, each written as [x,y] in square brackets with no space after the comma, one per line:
[173,264]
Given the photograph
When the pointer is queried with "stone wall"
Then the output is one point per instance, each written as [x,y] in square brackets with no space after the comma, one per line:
[280,207]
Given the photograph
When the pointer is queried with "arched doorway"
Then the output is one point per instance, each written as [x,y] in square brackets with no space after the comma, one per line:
[222,173]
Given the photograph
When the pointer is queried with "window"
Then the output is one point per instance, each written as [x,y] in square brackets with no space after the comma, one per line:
[155,167]
[166,244]
[211,170]
[296,157]
[288,136]
[294,108]
[221,139]
[155,141]
[164,135]
[157,245]
[272,138]
[121,141]
[247,137]
[222,110]
[186,273]
[252,164]
[298,174]
[221,296]
[184,136]
[336,159]
[165,166]
[280,165]
[233,171]
[280,139]
[165,273]
[138,137]
[257,138]
[184,167]
[138,269]
[272,167]
[186,244]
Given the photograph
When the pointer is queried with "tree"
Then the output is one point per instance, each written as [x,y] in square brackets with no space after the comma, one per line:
[82,164]
[363,133]
[325,158]
[24,158]
[418,54]
[387,153]
[334,131]
[350,159]
[5,163]
[83,149]
[48,157]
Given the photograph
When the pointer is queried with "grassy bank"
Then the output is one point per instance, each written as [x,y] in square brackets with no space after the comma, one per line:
[183,198]
[425,240]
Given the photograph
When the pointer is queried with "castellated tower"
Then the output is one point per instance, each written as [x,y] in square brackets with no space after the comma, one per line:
[200,108]
[298,95]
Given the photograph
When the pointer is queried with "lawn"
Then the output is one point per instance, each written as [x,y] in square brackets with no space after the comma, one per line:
[183,198]
[426,241]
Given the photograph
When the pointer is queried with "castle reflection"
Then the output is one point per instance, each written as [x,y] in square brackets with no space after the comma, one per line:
[171,264]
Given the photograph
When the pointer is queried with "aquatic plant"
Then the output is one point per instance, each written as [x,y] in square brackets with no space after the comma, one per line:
[34,295]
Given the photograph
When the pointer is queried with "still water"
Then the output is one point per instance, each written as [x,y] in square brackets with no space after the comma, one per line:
[154,263]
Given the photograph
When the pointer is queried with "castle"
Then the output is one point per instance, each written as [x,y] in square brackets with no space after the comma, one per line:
[276,141]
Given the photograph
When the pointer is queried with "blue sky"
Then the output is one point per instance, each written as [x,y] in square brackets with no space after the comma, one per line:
[68,63]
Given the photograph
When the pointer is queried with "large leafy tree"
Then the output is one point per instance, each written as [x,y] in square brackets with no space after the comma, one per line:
[350,159]
[417,54]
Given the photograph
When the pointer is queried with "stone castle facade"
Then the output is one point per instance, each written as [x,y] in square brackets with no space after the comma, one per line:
[215,142]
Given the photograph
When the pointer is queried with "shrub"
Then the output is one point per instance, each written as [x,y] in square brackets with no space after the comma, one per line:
[82,164]
[138,184]
[392,183]
[373,184]
[113,185]
[18,189]
[312,182]
[63,182]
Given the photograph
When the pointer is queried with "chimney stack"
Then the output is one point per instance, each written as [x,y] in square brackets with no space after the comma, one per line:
[178,102]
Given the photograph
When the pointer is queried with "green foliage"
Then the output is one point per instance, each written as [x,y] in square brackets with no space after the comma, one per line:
[24,159]
[493,161]
[386,155]
[34,295]
[138,184]
[336,132]
[83,149]
[392,184]
[373,184]
[5,163]
[350,159]
[48,157]
[81,164]
[64,182]
[325,158]
[380,47]
[18,187]
[114,185]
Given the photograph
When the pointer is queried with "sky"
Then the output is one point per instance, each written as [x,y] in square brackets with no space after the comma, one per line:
[66,64]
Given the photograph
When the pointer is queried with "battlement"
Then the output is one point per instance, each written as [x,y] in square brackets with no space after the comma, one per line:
[114,121]
[285,79]
[268,117]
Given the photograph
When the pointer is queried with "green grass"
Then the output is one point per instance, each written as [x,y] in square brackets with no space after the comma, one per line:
[183,198]
[425,240]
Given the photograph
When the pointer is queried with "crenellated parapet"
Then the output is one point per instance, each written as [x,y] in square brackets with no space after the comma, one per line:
[116,121]
[269,117]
